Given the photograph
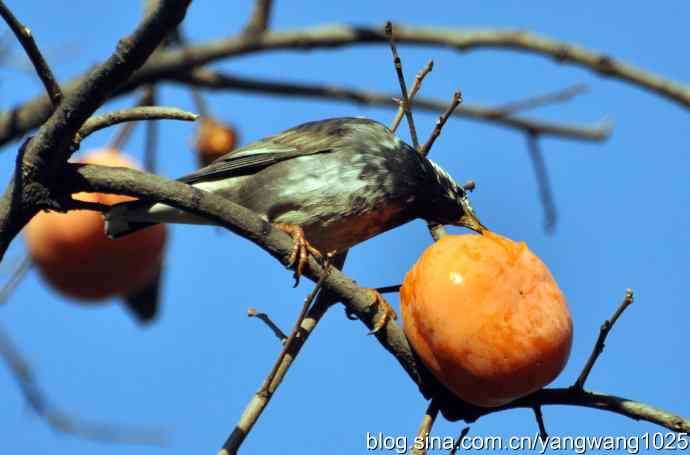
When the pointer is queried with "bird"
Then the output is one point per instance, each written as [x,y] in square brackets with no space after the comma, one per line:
[330,184]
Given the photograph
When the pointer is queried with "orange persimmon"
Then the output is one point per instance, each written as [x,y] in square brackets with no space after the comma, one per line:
[486,317]
[74,255]
[213,140]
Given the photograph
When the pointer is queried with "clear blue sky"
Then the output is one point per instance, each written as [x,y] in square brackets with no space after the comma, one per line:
[623,223]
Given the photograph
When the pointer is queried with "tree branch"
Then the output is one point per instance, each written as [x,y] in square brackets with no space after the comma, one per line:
[258,23]
[131,114]
[219,81]
[28,116]
[358,301]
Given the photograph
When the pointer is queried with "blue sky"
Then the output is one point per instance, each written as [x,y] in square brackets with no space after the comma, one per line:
[623,222]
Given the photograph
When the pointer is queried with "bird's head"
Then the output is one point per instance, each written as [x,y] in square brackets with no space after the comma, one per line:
[452,204]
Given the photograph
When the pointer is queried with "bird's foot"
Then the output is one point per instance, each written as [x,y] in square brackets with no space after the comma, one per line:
[384,309]
[301,249]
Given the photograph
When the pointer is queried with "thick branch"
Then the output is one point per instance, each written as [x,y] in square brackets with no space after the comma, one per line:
[42,158]
[358,301]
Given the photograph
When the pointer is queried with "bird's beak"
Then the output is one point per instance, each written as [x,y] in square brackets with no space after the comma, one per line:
[470,221]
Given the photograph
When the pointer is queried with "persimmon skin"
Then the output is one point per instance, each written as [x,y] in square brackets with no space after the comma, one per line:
[74,255]
[486,317]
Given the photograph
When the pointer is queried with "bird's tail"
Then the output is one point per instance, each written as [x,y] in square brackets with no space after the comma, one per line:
[120,220]
[128,217]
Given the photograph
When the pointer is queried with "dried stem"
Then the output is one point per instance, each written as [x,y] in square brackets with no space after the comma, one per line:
[60,421]
[260,400]
[295,330]
[543,183]
[543,435]
[413,92]
[17,276]
[258,23]
[558,96]
[27,41]
[420,445]
[603,333]
[426,148]
[388,289]
[405,102]
[252,313]
[458,442]
[151,146]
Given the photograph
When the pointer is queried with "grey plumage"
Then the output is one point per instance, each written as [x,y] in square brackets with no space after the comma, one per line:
[342,180]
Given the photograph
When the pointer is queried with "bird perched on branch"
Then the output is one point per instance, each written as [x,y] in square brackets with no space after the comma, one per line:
[330,184]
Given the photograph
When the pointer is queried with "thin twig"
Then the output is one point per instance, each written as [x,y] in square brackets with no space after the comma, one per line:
[543,435]
[17,276]
[260,400]
[60,421]
[403,86]
[261,15]
[543,183]
[458,442]
[559,96]
[151,145]
[413,92]
[295,330]
[27,41]
[420,445]
[221,81]
[603,333]
[388,289]
[99,122]
[252,313]
[457,99]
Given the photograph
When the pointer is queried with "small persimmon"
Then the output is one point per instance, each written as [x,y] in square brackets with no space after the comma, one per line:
[486,317]
[213,140]
[74,255]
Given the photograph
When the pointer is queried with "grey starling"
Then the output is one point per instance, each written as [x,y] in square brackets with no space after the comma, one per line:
[335,183]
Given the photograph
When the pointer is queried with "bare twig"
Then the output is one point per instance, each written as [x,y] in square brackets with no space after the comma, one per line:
[543,435]
[296,329]
[458,442]
[388,289]
[558,96]
[220,81]
[252,313]
[131,114]
[151,145]
[405,102]
[413,92]
[457,99]
[603,333]
[60,421]
[17,276]
[258,23]
[27,41]
[420,445]
[125,131]
[542,176]
[260,400]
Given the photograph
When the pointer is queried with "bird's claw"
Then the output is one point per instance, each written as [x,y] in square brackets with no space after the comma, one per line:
[301,249]
[382,306]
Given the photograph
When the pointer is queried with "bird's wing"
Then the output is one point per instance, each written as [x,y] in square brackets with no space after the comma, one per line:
[306,139]
[249,160]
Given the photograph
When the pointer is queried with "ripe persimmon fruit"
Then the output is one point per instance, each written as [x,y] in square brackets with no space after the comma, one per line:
[486,317]
[74,255]
[213,140]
